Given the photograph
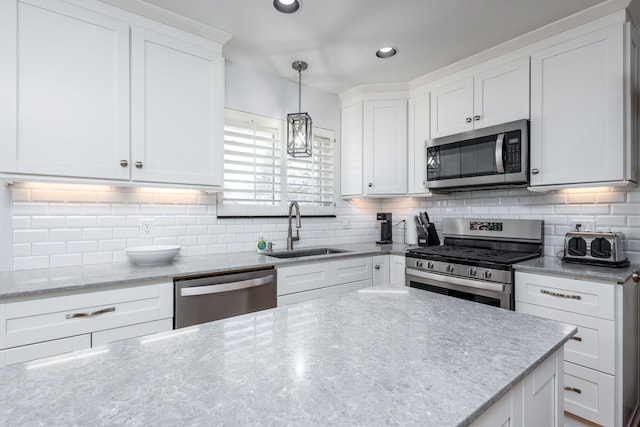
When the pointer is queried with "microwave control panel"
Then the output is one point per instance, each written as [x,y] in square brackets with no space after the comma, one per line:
[512,152]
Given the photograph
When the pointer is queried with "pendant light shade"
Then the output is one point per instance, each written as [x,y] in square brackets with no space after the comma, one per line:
[299,124]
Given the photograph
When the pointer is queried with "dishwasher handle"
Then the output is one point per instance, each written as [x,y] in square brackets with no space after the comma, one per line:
[225,287]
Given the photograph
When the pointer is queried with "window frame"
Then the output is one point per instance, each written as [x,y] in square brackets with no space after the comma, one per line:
[249,210]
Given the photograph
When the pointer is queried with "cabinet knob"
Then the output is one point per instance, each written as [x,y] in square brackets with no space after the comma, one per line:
[424,182]
[377,267]
[370,184]
[636,276]
[535,171]
[139,165]
[476,118]
[124,163]
[468,120]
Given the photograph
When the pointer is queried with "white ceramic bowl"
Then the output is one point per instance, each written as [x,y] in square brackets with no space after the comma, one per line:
[152,255]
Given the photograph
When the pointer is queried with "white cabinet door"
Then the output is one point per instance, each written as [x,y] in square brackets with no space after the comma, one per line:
[491,97]
[396,270]
[501,94]
[385,143]
[70,113]
[351,155]
[418,135]
[380,270]
[577,110]
[176,99]
[452,108]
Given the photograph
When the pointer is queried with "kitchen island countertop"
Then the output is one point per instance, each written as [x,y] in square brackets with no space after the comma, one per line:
[28,283]
[379,356]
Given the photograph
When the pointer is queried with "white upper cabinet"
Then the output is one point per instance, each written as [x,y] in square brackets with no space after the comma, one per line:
[71,115]
[418,135]
[385,147]
[177,107]
[97,93]
[494,96]
[351,156]
[374,146]
[580,110]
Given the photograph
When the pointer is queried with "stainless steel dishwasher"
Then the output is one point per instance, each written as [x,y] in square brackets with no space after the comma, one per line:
[203,298]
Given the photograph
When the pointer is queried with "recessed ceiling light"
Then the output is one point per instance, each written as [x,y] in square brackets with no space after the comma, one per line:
[286,6]
[386,52]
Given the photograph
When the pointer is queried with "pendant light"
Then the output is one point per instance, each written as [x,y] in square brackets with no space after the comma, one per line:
[299,124]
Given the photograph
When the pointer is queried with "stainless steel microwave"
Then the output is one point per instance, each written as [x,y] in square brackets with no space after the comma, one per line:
[492,157]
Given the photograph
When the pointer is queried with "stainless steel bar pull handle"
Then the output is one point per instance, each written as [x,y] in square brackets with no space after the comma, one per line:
[225,287]
[500,153]
[573,389]
[92,314]
[555,294]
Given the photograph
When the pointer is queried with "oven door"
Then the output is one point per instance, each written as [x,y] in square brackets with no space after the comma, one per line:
[494,294]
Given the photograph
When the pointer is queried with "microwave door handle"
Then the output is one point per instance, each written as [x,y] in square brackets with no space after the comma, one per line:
[499,153]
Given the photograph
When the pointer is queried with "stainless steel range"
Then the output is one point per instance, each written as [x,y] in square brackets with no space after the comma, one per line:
[475,261]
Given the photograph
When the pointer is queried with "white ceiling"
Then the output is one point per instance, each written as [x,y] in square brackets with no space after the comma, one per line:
[338,38]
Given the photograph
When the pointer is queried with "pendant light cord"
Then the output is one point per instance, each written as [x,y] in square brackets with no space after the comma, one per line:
[299,91]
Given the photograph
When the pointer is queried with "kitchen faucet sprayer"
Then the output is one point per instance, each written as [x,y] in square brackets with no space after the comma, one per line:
[290,238]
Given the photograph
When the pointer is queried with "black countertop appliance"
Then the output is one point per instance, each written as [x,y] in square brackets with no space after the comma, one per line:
[386,234]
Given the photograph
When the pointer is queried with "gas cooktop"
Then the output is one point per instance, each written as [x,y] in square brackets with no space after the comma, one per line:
[462,253]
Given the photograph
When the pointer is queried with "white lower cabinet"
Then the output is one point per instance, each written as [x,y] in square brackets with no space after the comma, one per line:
[396,270]
[380,270]
[601,373]
[44,327]
[534,401]
[310,281]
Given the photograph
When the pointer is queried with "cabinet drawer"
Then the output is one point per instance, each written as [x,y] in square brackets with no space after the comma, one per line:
[352,270]
[589,394]
[303,278]
[573,295]
[46,319]
[348,287]
[594,344]
[132,331]
[300,297]
[41,350]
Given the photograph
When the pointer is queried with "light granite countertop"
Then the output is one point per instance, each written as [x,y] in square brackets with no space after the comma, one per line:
[380,356]
[27,283]
[554,265]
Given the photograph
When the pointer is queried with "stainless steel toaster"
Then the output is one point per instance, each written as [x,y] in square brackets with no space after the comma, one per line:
[595,248]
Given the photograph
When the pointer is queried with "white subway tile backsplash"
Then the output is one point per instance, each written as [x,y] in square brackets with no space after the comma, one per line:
[30,236]
[30,262]
[82,246]
[81,221]
[50,248]
[95,224]
[65,260]
[48,222]
[97,233]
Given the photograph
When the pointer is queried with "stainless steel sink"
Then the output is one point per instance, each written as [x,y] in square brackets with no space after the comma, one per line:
[298,253]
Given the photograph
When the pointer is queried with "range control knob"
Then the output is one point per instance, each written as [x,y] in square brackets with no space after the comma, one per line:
[430,265]
[471,272]
[450,268]
[418,263]
[486,274]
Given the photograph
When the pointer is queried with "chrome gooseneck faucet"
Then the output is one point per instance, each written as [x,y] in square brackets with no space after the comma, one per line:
[290,238]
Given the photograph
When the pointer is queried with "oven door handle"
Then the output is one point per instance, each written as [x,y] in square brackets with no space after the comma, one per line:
[498,287]
[225,287]
[500,153]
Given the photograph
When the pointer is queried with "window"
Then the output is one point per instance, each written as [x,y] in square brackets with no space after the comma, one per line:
[260,178]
